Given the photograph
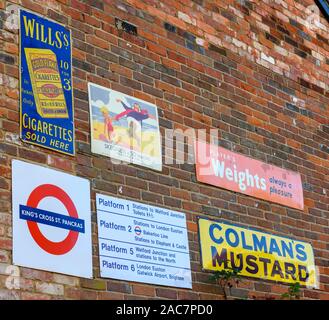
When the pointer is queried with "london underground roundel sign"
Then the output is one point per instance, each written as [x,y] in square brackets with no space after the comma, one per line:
[51,220]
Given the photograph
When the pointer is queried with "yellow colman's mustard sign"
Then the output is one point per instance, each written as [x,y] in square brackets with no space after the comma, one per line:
[256,254]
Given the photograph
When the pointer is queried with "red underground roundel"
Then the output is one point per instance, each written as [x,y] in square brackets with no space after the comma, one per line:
[38,194]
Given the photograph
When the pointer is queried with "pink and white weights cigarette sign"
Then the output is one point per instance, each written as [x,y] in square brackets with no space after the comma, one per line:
[229,170]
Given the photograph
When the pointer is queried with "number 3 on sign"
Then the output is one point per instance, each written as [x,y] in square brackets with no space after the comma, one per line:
[67,85]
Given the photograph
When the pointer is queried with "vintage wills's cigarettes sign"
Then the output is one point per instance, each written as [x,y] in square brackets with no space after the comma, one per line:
[46,84]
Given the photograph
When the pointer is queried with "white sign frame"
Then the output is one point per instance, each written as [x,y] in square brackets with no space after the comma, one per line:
[54,192]
[111,114]
[142,243]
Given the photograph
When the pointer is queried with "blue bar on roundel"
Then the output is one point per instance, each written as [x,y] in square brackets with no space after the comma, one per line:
[51,219]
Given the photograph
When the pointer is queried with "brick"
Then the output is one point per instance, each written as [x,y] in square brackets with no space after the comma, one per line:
[130,83]
[154,198]
[97,42]
[166,293]
[97,4]
[118,287]
[165,86]
[110,296]
[143,78]
[65,280]
[159,189]
[103,185]
[50,288]
[88,295]
[72,293]
[187,295]
[178,58]
[82,65]
[143,290]
[128,63]
[4,256]
[35,296]
[156,49]
[9,295]
[8,59]
[106,55]
[93,284]
[171,80]
[262,287]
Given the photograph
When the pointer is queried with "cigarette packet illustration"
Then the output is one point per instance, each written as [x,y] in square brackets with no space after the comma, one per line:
[46,83]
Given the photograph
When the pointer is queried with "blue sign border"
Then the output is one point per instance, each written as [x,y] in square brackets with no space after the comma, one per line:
[324,7]
[56,140]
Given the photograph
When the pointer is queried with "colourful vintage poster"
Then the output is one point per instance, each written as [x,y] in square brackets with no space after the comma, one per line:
[256,254]
[124,128]
[229,170]
[47,117]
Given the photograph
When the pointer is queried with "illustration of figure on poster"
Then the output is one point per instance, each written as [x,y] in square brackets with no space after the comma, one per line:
[135,116]
[108,126]
[124,127]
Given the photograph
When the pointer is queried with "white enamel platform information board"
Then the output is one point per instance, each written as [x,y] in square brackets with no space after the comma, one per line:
[143,243]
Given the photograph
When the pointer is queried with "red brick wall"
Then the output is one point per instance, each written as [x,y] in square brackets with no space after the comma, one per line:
[257,70]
